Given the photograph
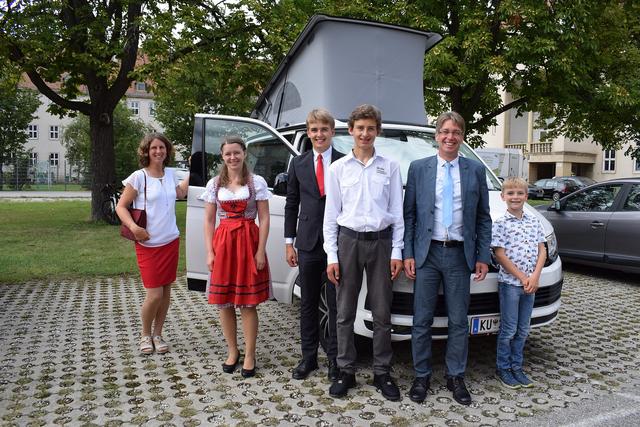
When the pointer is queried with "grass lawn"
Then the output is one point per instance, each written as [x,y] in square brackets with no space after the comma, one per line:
[56,240]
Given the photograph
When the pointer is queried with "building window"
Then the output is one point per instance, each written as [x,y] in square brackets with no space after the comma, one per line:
[609,161]
[152,109]
[134,106]
[54,132]
[141,86]
[33,131]
[636,166]
[33,159]
[53,159]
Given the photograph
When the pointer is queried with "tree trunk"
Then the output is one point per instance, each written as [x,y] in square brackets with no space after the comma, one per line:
[103,158]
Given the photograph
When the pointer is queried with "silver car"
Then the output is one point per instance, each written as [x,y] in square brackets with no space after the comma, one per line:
[599,225]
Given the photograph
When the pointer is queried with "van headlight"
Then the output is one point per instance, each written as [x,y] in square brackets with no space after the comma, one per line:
[552,248]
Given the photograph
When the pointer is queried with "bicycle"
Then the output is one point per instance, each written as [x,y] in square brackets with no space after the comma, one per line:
[110,197]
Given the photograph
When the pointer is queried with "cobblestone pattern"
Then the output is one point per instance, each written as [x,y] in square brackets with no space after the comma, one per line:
[68,355]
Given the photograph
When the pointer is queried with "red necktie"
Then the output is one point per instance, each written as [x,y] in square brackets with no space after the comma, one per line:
[320,175]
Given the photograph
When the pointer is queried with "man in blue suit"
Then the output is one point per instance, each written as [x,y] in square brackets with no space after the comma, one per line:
[447,237]
[304,213]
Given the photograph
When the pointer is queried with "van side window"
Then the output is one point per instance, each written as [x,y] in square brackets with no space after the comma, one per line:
[267,154]
[267,158]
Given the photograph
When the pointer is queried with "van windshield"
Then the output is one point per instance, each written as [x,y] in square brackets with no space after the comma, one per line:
[405,146]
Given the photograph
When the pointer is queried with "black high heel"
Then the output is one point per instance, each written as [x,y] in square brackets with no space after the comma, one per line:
[247,373]
[229,369]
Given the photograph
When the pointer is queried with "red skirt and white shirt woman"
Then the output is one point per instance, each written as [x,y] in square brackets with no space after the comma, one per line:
[235,280]
[158,256]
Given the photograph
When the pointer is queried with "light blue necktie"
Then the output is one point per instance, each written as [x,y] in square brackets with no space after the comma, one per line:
[447,197]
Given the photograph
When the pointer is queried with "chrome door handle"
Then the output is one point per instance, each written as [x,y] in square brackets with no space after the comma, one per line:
[596,224]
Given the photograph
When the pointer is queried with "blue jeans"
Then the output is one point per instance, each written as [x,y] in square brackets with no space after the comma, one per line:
[449,267]
[515,319]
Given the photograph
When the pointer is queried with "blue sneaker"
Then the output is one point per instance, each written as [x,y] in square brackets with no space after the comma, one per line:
[522,378]
[507,379]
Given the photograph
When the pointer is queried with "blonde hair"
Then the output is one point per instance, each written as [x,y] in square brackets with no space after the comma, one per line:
[450,115]
[321,115]
[224,173]
[515,182]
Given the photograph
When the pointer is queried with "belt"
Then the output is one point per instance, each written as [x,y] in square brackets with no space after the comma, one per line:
[448,243]
[367,235]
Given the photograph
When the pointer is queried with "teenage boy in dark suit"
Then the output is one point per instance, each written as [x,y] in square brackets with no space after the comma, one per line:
[304,213]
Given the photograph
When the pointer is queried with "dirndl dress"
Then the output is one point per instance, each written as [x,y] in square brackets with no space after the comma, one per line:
[235,280]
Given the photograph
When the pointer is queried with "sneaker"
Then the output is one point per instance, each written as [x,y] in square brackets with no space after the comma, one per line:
[507,379]
[160,345]
[385,385]
[146,345]
[522,378]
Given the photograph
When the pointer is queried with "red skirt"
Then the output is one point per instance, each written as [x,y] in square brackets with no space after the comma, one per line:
[158,264]
[235,280]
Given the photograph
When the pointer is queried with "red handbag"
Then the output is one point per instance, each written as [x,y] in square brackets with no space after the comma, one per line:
[139,216]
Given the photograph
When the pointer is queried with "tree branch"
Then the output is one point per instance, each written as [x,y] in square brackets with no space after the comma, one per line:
[44,89]
[486,119]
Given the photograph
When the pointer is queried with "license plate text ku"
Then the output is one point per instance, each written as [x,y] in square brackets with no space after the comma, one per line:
[485,325]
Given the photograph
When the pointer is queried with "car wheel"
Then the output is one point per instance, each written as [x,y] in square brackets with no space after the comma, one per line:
[323,316]
[556,196]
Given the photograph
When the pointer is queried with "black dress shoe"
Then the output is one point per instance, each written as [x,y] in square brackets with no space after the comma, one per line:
[385,385]
[460,392]
[342,386]
[333,372]
[419,388]
[229,369]
[304,368]
[247,373]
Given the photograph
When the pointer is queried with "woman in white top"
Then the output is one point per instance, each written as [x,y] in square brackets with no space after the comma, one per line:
[155,188]
[236,250]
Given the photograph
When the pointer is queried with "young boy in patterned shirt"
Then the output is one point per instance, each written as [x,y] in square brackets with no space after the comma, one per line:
[518,244]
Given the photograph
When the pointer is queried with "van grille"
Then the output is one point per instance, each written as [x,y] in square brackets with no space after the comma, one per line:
[485,303]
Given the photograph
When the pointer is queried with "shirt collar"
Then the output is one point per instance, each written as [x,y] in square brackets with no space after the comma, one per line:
[325,156]
[454,162]
[509,215]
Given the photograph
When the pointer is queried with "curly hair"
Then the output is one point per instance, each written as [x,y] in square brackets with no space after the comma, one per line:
[145,143]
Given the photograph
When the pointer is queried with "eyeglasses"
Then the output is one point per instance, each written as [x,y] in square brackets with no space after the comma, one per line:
[447,132]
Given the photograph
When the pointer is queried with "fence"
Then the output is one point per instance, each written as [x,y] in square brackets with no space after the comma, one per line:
[43,176]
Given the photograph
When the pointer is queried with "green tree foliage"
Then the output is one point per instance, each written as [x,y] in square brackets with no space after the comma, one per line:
[128,131]
[17,110]
[227,75]
[92,49]
[576,62]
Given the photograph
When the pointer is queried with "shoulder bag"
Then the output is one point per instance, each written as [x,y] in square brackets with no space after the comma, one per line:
[139,216]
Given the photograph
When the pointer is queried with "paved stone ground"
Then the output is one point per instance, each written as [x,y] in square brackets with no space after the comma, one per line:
[68,355]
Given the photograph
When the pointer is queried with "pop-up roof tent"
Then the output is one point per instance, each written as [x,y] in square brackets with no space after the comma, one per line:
[340,63]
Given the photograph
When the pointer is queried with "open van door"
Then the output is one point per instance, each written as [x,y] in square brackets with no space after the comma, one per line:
[268,155]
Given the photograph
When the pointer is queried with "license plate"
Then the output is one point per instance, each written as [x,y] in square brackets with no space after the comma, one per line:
[485,325]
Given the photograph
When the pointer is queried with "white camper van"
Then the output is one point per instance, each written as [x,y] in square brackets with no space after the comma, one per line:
[339,63]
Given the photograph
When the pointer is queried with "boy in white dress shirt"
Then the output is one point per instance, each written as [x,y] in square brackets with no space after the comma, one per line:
[363,227]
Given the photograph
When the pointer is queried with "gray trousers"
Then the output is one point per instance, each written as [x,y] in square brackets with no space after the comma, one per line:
[372,256]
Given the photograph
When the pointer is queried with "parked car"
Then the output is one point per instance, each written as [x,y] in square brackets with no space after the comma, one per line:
[555,188]
[600,225]
[581,181]
[276,133]
[535,192]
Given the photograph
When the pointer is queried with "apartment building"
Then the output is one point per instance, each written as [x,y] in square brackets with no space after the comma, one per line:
[49,157]
[560,156]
